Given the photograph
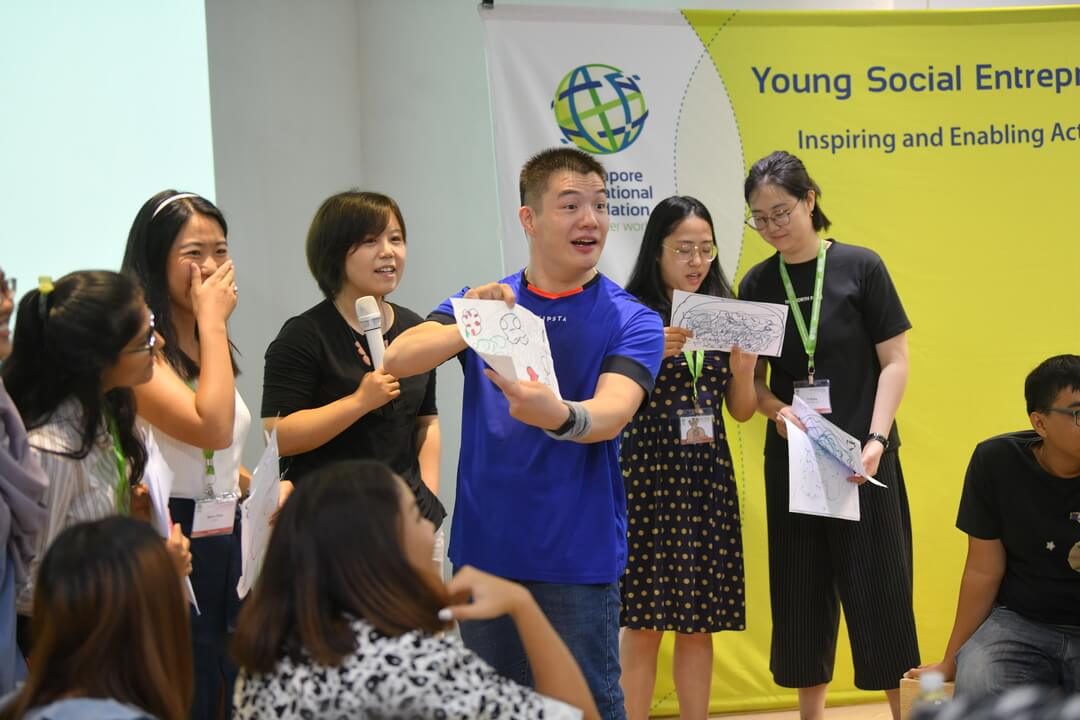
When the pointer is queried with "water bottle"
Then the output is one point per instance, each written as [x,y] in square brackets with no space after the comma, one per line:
[931,694]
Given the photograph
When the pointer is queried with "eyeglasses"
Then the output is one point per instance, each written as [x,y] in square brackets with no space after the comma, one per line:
[1075,412]
[7,286]
[685,254]
[779,219]
[151,340]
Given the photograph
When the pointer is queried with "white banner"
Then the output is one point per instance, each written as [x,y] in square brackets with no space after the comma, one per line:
[635,89]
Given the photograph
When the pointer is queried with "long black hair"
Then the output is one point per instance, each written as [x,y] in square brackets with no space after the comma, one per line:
[646,283]
[787,171]
[146,258]
[64,341]
[308,589]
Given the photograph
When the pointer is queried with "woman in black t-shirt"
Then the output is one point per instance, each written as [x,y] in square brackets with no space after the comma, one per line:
[319,387]
[861,351]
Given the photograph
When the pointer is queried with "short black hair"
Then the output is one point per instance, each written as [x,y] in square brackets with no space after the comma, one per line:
[646,282]
[339,224]
[1044,383]
[784,169]
[537,171]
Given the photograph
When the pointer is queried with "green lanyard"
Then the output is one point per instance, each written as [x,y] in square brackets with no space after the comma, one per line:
[208,458]
[695,360]
[123,487]
[809,339]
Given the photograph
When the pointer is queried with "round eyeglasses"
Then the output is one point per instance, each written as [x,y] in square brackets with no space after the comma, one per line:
[684,255]
[780,218]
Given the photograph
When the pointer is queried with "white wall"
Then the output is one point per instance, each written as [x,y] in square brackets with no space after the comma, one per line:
[104,104]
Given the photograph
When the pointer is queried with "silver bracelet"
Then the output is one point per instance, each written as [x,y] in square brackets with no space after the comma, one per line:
[582,422]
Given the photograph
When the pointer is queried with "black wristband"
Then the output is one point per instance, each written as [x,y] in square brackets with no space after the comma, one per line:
[571,418]
[880,438]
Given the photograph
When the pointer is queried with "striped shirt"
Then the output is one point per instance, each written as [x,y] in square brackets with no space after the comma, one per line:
[79,490]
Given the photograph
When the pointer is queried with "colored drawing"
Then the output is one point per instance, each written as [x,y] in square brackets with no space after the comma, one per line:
[512,341]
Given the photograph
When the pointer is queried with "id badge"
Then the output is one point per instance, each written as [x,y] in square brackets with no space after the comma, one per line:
[214,516]
[815,394]
[695,427]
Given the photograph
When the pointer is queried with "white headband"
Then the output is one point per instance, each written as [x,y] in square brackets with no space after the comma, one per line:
[166,201]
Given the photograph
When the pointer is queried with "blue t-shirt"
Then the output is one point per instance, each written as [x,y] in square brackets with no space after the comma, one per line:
[530,507]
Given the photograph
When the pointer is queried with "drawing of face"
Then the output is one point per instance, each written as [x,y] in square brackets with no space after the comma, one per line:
[691,233]
[470,320]
[511,325]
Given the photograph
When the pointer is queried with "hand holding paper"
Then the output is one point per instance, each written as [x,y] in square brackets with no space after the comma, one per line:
[512,340]
[720,323]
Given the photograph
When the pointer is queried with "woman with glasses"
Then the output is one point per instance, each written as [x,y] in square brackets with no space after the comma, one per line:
[177,250]
[81,345]
[845,354]
[684,571]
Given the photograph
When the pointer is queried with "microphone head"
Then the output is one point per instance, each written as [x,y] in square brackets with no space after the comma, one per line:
[368,314]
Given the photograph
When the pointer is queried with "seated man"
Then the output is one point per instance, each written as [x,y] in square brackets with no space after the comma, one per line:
[1018,614]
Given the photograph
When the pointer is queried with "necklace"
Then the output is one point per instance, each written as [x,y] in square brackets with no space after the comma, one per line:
[386,317]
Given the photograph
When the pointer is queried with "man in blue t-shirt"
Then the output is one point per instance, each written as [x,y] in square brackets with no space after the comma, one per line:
[540,497]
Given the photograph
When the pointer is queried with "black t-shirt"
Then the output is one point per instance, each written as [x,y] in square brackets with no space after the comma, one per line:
[859,309]
[313,362]
[1036,516]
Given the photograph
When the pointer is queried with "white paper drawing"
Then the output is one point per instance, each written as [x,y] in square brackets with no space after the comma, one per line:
[844,448]
[158,478]
[818,482]
[256,514]
[721,323]
[513,341]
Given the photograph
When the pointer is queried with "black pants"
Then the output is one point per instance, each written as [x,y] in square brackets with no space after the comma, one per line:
[216,565]
[817,564]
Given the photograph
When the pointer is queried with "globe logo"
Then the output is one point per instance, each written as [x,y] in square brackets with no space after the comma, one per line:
[600,109]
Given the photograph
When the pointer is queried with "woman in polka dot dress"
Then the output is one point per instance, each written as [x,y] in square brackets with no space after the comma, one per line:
[684,570]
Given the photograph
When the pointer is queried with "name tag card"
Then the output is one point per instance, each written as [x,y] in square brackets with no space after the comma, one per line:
[214,516]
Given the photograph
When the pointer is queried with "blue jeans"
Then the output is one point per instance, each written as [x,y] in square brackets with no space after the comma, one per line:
[586,617]
[1008,650]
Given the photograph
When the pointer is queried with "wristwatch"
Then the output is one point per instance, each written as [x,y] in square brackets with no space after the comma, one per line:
[880,438]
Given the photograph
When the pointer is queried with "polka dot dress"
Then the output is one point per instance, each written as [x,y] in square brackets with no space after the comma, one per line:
[684,569]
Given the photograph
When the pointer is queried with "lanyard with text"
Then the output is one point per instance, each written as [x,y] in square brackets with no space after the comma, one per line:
[694,361]
[809,338]
[123,487]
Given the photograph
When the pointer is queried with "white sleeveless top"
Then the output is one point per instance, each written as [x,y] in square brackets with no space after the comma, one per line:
[188,464]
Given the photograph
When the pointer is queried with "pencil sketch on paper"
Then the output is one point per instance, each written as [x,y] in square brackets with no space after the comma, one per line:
[721,323]
[512,341]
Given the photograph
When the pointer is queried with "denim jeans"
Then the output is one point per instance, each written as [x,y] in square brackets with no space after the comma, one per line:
[586,617]
[1008,650]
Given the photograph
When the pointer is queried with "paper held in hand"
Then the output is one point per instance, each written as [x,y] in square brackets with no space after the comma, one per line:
[820,461]
[512,341]
[720,323]
[256,514]
[158,477]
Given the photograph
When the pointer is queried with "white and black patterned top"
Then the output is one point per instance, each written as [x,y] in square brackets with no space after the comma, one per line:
[415,675]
